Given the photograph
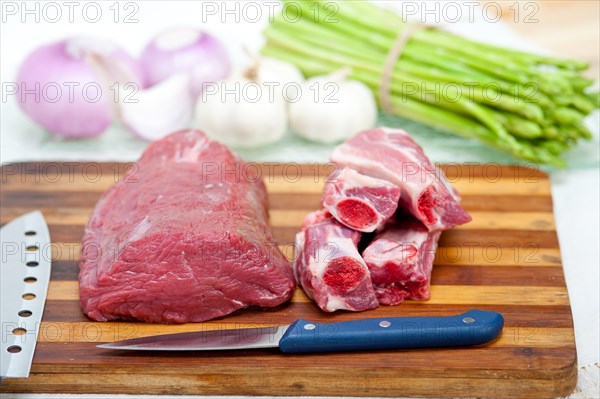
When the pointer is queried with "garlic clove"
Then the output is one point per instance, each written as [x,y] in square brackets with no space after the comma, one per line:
[162,109]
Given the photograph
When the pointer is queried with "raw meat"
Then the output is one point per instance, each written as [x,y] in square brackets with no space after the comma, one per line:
[315,217]
[329,268]
[360,202]
[400,260]
[185,238]
[393,155]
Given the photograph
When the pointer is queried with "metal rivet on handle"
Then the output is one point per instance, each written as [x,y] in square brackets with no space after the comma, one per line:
[384,323]
[469,320]
[309,326]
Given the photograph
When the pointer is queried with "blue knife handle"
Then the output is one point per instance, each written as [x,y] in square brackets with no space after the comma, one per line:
[470,328]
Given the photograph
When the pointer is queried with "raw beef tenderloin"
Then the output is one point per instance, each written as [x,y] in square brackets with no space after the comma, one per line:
[183,239]
[360,202]
[394,156]
[329,268]
[400,260]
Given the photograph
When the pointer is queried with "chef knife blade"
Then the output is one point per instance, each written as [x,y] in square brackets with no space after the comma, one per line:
[470,328]
[24,278]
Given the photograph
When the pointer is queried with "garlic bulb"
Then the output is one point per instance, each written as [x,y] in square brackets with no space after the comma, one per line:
[332,108]
[286,75]
[242,113]
[250,108]
[285,78]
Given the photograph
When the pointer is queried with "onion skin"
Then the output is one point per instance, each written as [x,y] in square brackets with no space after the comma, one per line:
[72,115]
[205,59]
[161,109]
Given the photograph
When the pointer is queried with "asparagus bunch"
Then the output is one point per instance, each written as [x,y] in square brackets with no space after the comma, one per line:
[529,105]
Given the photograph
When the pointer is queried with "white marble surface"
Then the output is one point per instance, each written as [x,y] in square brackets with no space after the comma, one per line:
[575,191]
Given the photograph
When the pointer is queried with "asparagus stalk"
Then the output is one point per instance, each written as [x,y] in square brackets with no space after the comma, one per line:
[424,79]
[527,104]
[405,105]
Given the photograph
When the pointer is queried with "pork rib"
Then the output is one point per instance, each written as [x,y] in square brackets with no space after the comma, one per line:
[329,268]
[394,156]
[360,202]
[400,260]
[183,239]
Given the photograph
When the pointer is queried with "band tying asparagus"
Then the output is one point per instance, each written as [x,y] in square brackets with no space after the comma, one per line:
[390,61]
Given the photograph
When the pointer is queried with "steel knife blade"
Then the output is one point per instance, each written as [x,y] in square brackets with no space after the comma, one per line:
[24,278]
[474,327]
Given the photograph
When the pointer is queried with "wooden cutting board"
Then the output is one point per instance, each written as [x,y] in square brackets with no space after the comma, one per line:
[507,260]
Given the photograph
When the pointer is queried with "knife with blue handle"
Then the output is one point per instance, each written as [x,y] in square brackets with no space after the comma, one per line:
[474,327]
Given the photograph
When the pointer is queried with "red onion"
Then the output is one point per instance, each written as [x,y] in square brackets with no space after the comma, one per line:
[187,51]
[66,86]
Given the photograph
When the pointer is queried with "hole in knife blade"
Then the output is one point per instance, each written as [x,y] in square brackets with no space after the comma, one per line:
[30,280]
[19,331]
[32,248]
[28,296]
[30,233]
[32,263]
[25,313]
[13,349]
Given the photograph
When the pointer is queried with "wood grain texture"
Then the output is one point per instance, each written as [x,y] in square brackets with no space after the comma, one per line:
[506,260]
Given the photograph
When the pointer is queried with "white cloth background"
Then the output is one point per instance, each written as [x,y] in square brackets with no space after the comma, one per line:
[575,191]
